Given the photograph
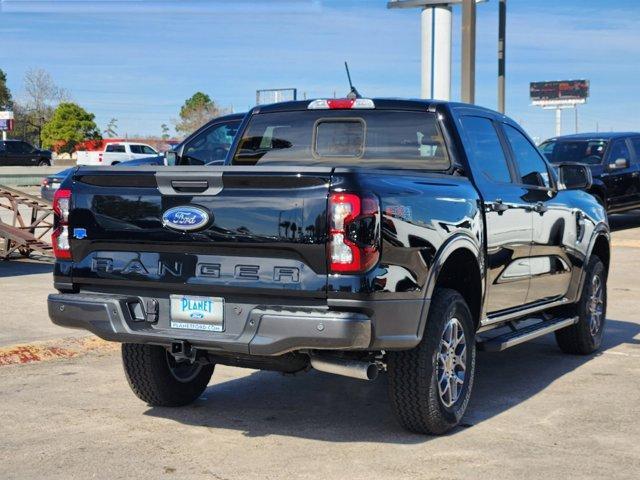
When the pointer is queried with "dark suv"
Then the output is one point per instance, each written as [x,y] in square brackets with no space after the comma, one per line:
[614,160]
[19,153]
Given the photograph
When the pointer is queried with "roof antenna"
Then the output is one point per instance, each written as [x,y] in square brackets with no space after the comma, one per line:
[353,93]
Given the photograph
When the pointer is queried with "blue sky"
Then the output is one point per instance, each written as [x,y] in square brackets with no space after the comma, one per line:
[139,60]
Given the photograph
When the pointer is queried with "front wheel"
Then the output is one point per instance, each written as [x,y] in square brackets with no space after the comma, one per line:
[44,163]
[430,385]
[585,337]
[157,378]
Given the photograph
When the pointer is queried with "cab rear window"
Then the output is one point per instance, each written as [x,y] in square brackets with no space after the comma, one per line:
[373,138]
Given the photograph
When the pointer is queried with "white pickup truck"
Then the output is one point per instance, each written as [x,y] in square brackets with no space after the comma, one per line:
[114,153]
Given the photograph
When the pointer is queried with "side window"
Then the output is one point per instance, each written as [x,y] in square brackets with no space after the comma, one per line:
[148,150]
[635,142]
[547,150]
[13,147]
[619,150]
[136,148]
[210,145]
[115,148]
[533,169]
[24,147]
[485,150]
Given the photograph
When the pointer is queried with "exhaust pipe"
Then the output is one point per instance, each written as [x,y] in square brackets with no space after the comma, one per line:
[347,368]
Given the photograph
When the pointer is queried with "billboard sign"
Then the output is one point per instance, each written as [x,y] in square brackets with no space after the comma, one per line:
[6,125]
[6,115]
[564,92]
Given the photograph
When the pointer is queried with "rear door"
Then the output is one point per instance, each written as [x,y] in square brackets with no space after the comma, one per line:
[115,152]
[263,232]
[507,213]
[18,153]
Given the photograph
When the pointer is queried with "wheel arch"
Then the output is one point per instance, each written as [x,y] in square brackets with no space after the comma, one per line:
[459,267]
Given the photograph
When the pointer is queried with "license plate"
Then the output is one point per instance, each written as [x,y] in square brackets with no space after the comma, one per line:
[197,313]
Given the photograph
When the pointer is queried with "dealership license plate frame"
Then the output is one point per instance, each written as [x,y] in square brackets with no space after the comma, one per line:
[197,319]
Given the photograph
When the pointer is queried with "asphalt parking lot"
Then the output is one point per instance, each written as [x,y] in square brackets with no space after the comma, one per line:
[535,412]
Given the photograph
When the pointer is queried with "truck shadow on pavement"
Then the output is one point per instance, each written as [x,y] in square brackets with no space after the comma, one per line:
[325,407]
[14,268]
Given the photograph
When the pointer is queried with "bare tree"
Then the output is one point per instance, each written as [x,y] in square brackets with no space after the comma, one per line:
[42,94]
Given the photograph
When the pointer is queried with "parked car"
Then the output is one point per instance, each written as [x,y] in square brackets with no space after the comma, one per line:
[208,144]
[51,183]
[614,161]
[20,153]
[115,153]
[353,236]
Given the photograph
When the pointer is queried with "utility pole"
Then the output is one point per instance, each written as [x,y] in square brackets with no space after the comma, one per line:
[468,93]
[576,112]
[502,54]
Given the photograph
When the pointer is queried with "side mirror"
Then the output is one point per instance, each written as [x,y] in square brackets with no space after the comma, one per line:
[575,176]
[620,163]
[170,158]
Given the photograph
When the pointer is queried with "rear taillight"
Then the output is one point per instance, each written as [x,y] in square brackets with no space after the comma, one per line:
[60,235]
[354,239]
[45,182]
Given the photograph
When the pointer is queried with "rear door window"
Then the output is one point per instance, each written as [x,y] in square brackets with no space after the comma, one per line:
[366,138]
[115,148]
[485,150]
[136,149]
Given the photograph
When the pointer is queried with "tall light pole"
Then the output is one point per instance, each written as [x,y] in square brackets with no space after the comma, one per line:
[502,54]
[436,21]
[468,85]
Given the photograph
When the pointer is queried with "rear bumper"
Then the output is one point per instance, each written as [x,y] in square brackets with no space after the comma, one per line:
[248,329]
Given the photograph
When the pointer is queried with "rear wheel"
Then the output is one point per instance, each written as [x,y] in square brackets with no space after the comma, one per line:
[430,385]
[585,337]
[156,377]
[44,163]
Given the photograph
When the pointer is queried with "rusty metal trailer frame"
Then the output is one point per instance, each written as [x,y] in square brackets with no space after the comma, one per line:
[32,220]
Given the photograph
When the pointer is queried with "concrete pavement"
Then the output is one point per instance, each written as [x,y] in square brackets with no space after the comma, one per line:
[535,412]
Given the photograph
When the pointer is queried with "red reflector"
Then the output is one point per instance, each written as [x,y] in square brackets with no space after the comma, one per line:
[341,103]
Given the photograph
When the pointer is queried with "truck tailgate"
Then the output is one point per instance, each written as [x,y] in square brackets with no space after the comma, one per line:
[265,231]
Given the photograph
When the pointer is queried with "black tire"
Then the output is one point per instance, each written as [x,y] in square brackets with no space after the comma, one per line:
[44,163]
[156,378]
[413,374]
[585,337]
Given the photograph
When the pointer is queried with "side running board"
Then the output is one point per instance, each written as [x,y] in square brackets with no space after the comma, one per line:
[524,334]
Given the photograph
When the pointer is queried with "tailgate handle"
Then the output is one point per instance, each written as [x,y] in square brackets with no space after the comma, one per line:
[195,182]
[189,185]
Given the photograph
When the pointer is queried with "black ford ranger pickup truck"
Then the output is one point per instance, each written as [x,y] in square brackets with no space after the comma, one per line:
[352,236]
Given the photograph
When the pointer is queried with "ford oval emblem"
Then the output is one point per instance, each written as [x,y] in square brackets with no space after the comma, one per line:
[185,218]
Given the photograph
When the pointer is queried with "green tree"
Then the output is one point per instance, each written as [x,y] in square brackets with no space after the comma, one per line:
[165,131]
[5,93]
[195,112]
[111,131]
[69,125]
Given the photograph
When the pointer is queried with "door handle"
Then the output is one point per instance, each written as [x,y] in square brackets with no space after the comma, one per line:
[540,208]
[498,206]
